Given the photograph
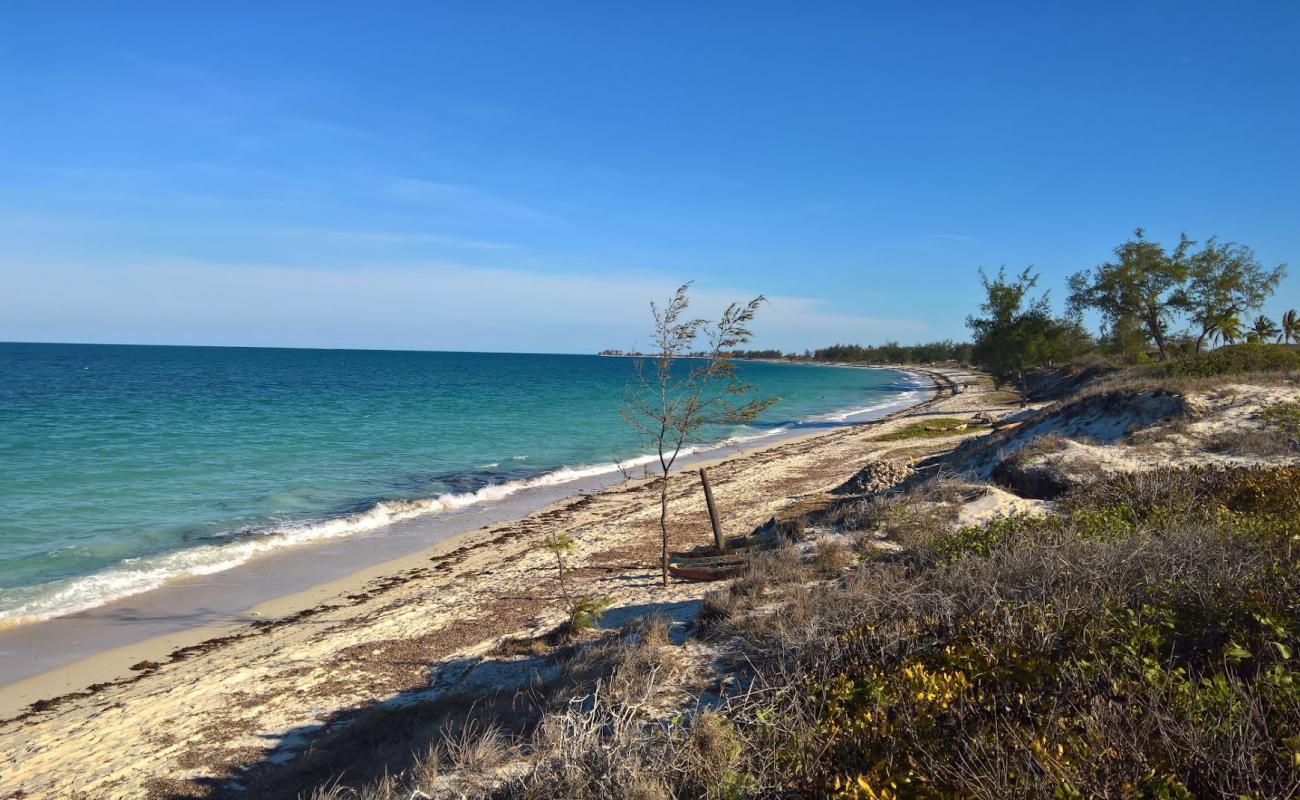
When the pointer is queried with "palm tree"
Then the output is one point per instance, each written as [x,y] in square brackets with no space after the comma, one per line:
[1263,329]
[1290,327]
[1228,329]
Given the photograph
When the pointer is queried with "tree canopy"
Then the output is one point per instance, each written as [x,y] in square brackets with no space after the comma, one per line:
[1017,332]
[1141,293]
[1142,287]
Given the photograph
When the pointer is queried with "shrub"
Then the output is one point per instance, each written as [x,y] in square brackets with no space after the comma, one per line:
[1236,359]
[1140,643]
[932,428]
[1283,416]
[831,557]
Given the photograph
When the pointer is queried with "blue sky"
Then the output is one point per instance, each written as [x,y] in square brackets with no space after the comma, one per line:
[525,176]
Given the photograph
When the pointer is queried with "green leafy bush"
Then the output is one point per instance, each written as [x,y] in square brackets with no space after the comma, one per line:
[1283,416]
[1236,359]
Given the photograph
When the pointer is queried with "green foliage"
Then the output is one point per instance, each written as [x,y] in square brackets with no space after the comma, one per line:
[1263,329]
[1290,327]
[894,353]
[941,426]
[1146,288]
[1141,288]
[1135,687]
[559,543]
[978,540]
[585,613]
[1236,359]
[1283,416]
[1225,282]
[1017,333]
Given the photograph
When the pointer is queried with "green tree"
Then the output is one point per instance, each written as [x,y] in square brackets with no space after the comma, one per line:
[584,611]
[673,406]
[1143,284]
[1017,333]
[1228,330]
[1225,281]
[1290,331]
[1263,329]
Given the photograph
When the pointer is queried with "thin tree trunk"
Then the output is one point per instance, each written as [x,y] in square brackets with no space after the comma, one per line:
[1157,333]
[564,586]
[663,526]
[718,541]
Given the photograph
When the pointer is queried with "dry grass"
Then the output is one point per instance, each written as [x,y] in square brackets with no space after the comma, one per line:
[1254,442]
[831,556]
[1141,638]
[1146,381]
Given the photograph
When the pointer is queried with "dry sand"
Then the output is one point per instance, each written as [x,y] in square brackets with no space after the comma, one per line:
[201,708]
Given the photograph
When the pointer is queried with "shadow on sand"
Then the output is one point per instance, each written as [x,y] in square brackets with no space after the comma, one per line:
[356,746]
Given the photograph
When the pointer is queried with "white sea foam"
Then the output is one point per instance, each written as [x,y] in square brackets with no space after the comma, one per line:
[901,400]
[136,575]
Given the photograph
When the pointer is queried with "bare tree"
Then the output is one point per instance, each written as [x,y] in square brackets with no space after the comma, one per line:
[671,407]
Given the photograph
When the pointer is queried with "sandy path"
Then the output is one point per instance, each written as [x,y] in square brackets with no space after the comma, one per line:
[402,627]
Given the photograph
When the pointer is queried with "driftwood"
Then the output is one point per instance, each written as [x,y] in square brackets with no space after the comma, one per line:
[718,541]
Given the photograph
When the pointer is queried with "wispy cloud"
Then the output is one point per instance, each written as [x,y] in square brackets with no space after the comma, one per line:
[463,197]
[434,305]
[388,237]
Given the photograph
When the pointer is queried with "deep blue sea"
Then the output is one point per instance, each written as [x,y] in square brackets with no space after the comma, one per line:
[124,466]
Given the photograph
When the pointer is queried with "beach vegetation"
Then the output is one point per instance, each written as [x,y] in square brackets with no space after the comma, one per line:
[1143,295]
[1145,288]
[1235,359]
[1142,288]
[584,611]
[1139,641]
[1225,282]
[1289,332]
[1282,416]
[1015,332]
[672,404]
[932,428]
[1262,329]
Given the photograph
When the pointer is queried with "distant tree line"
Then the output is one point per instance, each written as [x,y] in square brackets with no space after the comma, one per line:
[762,354]
[894,353]
[1154,303]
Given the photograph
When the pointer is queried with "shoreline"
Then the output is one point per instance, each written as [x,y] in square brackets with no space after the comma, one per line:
[237,546]
[206,706]
[51,656]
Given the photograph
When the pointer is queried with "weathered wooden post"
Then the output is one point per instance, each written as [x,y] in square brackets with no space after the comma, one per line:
[718,541]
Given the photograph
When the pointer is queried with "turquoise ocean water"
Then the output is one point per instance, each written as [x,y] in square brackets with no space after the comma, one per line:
[124,466]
